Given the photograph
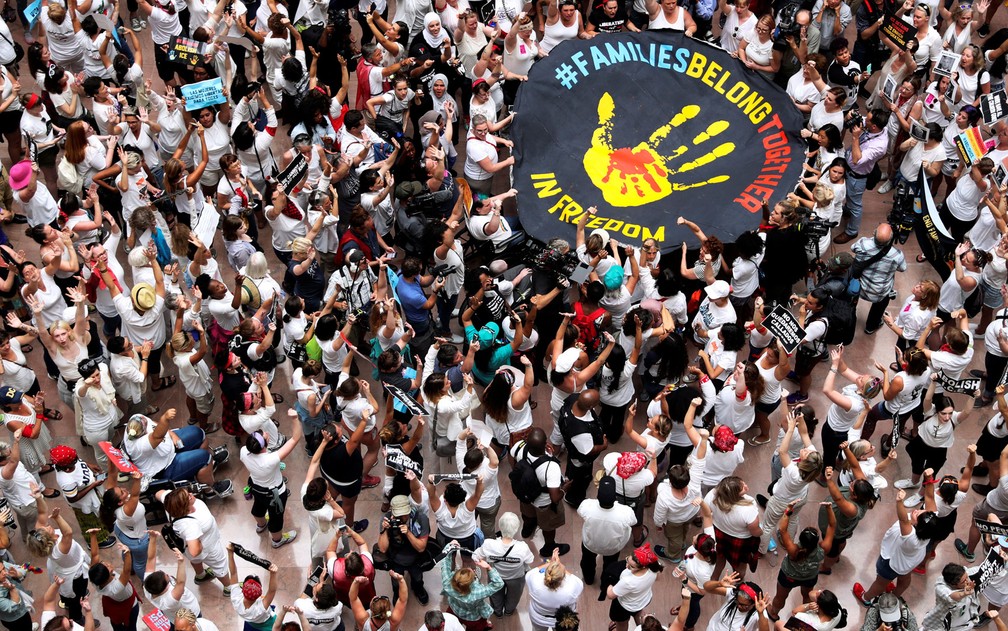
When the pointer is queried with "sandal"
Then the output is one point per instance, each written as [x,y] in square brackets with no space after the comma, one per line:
[212,428]
[921,258]
[277,398]
[638,543]
[48,468]
[52,415]
[533,404]
[27,348]
[166,382]
[51,493]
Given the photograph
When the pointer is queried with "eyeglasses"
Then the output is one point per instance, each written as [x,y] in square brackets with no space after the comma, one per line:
[480,131]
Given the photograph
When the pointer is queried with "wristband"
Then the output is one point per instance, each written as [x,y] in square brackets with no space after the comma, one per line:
[704,378]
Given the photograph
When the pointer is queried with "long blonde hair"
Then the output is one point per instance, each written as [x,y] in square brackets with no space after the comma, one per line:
[728,494]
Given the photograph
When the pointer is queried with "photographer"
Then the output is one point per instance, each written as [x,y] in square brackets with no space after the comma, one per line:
[449,266]
[403,541]
[890,612]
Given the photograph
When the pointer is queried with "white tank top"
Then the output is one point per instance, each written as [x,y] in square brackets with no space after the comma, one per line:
[519,60]
[771,386]
[68,367]
[910,395]
[661,21]
[841,420]
[17,490]
[555,33]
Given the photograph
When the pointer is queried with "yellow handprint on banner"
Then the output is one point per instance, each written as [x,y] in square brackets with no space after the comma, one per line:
[641,175]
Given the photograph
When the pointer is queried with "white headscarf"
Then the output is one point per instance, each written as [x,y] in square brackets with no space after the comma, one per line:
[434,41]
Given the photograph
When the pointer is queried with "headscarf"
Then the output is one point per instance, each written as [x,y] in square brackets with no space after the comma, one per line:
[62,456]
[434,41]
[252,589]
[439,103]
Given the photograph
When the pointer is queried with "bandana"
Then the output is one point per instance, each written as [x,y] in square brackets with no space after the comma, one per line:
[748,591]
[724,439]
[629,463]
[290,210]
[246,400]
[251,589]
[645,555]
[62,456]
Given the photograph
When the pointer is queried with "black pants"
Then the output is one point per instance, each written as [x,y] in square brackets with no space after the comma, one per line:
[415,579]
[875,312]
[73,604]
[579,476]
[131,624]
[611,419]
[995,367]
[24,623]
[263,505]
[589,563]
[831,444]
[957,227]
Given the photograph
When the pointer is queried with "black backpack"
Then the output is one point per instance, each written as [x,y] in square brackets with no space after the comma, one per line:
[840,313]
[524,481]
[172,538]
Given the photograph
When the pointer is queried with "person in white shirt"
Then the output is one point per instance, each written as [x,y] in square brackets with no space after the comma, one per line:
[633,591]
[168,593]
[605,529]
[321,610]
[442,621]
[675,505]
[550,587]
[512,559]
[128,369]
[482,461]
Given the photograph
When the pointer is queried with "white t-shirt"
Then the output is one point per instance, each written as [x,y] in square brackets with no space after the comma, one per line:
[543,602]
[905,552]
[511,560]
[634,591]
[605,531]
[736,521]
[263,468]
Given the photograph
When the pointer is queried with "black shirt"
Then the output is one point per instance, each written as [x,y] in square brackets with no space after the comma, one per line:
[605,24]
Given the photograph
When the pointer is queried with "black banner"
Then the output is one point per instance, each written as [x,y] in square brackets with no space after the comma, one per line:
[991,528]
[290,177]
[650,126]
[411,404]
[398,460]
[962,386]
[993,107]
[784,325]
[185,51]
[453,477]
[253,558]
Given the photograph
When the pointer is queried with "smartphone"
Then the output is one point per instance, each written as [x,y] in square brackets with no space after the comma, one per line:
[313,580]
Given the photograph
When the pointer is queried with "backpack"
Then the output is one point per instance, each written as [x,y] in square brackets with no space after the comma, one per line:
[524,481]
[974,302]
[840,313]
[172,538]
[587,330]
[68,178]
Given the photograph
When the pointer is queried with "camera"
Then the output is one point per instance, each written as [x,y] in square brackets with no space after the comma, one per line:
[440,271]
[787,23]
[854,119]
[903,214]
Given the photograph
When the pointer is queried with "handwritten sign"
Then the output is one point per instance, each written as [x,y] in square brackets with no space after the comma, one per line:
[398,460]
[291,177]
[964,386]
[972,146]
[244,553]
[120,460]
[988,570]
[993,106]
[185,51]
[203,94]
[157,621]
[411,404]
[898,31]
[784,325]
[31,12]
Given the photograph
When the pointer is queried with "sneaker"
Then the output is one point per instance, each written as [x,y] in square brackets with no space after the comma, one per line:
[920,569]
[912,501]
[982,401]
[963,549]
[859,592]
[796,397]
[206,576]
[792,376]
[360,525]
[223,488]
[772,547]
[982,489]
[662,551]
[984,30]
[109,542]
[227,590]
[906,484]
[285,538]
[547,551]
[370,481]
[886,187]
[262,529]
[135,24]
[220,455]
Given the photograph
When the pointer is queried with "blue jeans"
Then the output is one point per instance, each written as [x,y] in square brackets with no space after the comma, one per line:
[188,460]
[853,206]
[137,548]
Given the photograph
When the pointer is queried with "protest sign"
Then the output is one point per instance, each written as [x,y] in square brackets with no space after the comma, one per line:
[972,145]
[398,460]
[239,41]
[480,430]
[117,457]
[203,94]
[993,106]
[784,325]
[411,404]
[963,386]
[988,570]
[453,477]
[290,177]
[185,51]
[244,553]
[157,621]
[31,12]
[897,30]
[947,63]
[105,24]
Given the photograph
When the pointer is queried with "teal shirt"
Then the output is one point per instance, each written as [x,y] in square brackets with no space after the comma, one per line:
[471,606]
[10,610]
[500,357]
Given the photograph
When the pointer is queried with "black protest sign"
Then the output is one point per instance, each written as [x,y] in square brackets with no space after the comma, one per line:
[290,177]
[898,31]
[784,325]
[185,51]
[32,147]
[411,404]
[654,125]
[993,107]
[453,477]
[991,528]
[253,558]
[988,570]
[962,386]
[398,460]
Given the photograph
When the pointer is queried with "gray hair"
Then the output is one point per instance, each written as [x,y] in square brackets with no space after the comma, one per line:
[434,619]
[509,524]
[257,267]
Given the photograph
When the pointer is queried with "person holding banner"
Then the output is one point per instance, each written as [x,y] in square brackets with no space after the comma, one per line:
[995,503]
[266,481]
